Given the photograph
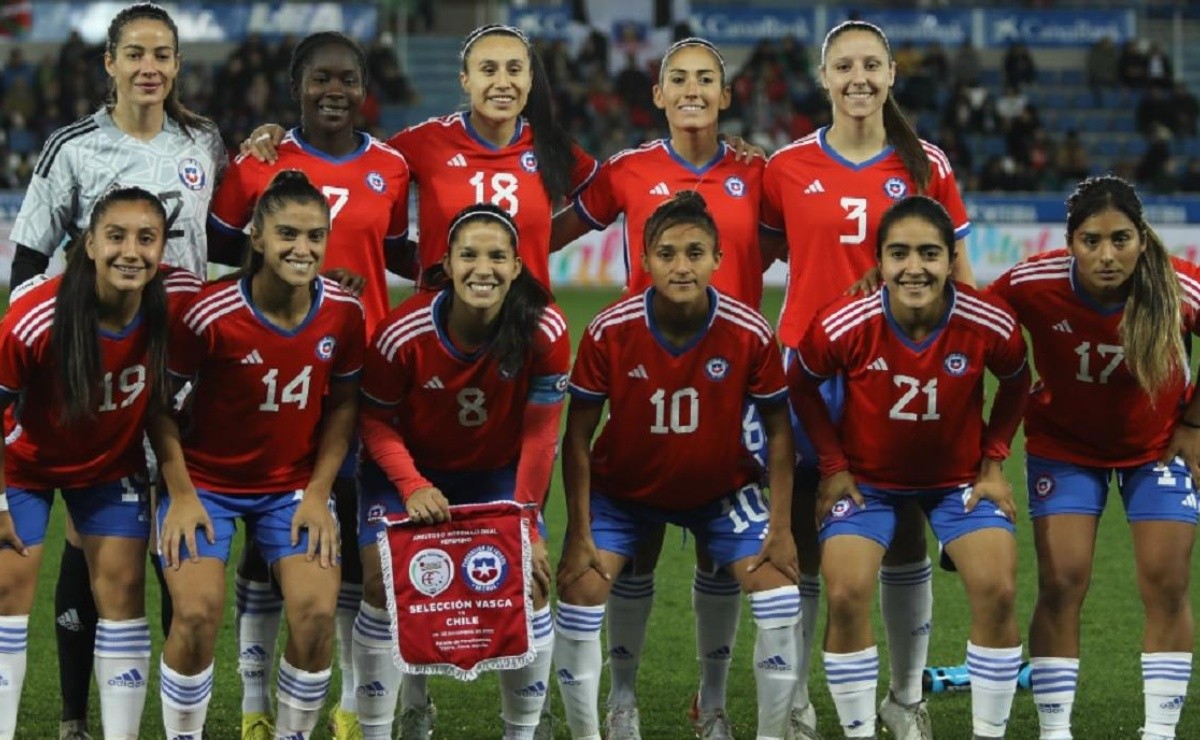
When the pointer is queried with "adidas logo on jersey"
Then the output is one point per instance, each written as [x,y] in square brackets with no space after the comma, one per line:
[1063,326]
[878,364]
[130,679]
[1189,502]
[458,160]
[814,187]
[639,372]
[434,383]
[660,189]
[69,620]
[254,358]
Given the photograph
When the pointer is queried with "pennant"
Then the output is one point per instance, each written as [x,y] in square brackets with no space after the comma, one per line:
[460,593]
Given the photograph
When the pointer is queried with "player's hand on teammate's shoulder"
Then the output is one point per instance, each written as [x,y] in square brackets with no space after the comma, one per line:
[263,142]
[351,282]
[428,506]
[834,488]
[579,556]
[185,515]
[314,514]
[744,151]
[993,486]
[867,284]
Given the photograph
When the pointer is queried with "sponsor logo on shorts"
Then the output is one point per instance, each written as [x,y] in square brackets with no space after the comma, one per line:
[485,568]
[1043,485]
[376,512]
[841,508]
[431,571]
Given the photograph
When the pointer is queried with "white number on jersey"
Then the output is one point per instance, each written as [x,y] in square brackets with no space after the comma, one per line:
[296,391]
[753,436]
[1113,352]
[684,420]
[131,382]
[856,211]
[337,198]
[744,507]
[471,412]
[504,191]
[912,386]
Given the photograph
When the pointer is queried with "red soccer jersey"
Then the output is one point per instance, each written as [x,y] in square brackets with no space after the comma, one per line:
[637,181]
[829,209]
[456,411]
[256,404]
[454,167]
[368,200]
[673,438]
[913,415]
[1086,407]
[39,452]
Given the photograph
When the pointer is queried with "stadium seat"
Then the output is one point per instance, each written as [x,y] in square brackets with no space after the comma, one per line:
[1135,146]
[1072,76]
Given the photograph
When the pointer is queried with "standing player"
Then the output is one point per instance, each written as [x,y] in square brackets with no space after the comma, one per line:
[464,389]
[826,194]
[274,353]
[82,359]
[675,363]
[366,183]
[913,356]
[691,90]
[1106,318]
[142,136]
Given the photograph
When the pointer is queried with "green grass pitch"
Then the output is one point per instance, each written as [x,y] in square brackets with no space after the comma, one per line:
[1109,703]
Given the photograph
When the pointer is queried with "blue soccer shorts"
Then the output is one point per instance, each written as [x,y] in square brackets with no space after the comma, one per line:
[945,507]
[730,528]
[833,390]
[117,509]
[1150,492]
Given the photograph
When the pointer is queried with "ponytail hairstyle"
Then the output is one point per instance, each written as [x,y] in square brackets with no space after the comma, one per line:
[687,207]
[75,331]
[552,146]
[175,109]
[918,206]
[524,304]
[1150,327]
[900,133]
[310,44]
[288,186]
[692,41]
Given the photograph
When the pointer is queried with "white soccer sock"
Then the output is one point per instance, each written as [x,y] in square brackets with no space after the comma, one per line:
[300,696]
[853,681]
[14,643]
[1165,679]
[577,657]
[906,604]
[258,613]
[717,601]
[1054,681]
[523,691]
[993,683]
[414,691]
[810,602]
[376,677]
[349,597]
[776,613]
[122,669]
[184,701]
[629,606]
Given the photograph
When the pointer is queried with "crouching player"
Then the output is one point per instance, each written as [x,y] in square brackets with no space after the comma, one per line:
[675,364]
[913,356]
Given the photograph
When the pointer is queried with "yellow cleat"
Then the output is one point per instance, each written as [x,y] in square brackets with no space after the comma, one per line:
[257,726]
[344,725]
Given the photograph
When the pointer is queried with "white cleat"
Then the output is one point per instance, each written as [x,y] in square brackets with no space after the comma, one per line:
[622,723]
[904,722]
[802,724]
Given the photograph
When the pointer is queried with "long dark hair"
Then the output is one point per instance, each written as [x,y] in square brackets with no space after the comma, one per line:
[524,304]
[75,332]
[900,133]
[918,206]
[1150,326]
[174,108]
[288,186]
[551,144]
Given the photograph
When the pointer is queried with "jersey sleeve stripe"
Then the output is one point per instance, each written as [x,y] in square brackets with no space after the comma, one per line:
[215,220]
[805,141]
[553,329]
[877,310]
[582,211]
[735,306]
[634,304]
[346,298]
[585,394]
[960,232]
[5,390]
[394,346]
[753,328]
[402,324]
[58,139]
[937,159]
[598,329]
[555,317]
[36,330]
[1050,265]
[850,308]
[767,227]
[1030,277]
[988,309]
[205,321]
[216,301]
[1191,289]
[586,181]
[46,306]
[853,314]
[348,375]
[1015,373]
[966,313]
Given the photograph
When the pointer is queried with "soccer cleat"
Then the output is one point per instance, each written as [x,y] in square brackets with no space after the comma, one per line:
[622,723]
[416,723]
[73,729]
[257,726]
[936,679]
[802,724]
[904,722]
[344,725]
[546,724]
[709,724]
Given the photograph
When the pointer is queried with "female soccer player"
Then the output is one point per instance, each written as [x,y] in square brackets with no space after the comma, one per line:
[914,357]
[1106,318]
[692,89]
[826,193]
[275,354]
[143,135]
[464,389]
[675,364]
[366,183]
[82,359]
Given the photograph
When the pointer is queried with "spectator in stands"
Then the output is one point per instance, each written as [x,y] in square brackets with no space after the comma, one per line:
[1005,174]
[1020,133]
[21,139]
[935,63]
[1072,160]
[1009,106]
[793,54]
[73,51]
[634,86]
[1154,112]
[19,98]
[1156,170]
[1132,65]
[388,81]
[970,109]
[1189,181]
[908,60]
[957,152]
[422,11]
[1159,72]
[593,56]
[17,68]
[966,62]
[1187,111]
[1019,69]
[1102,66]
